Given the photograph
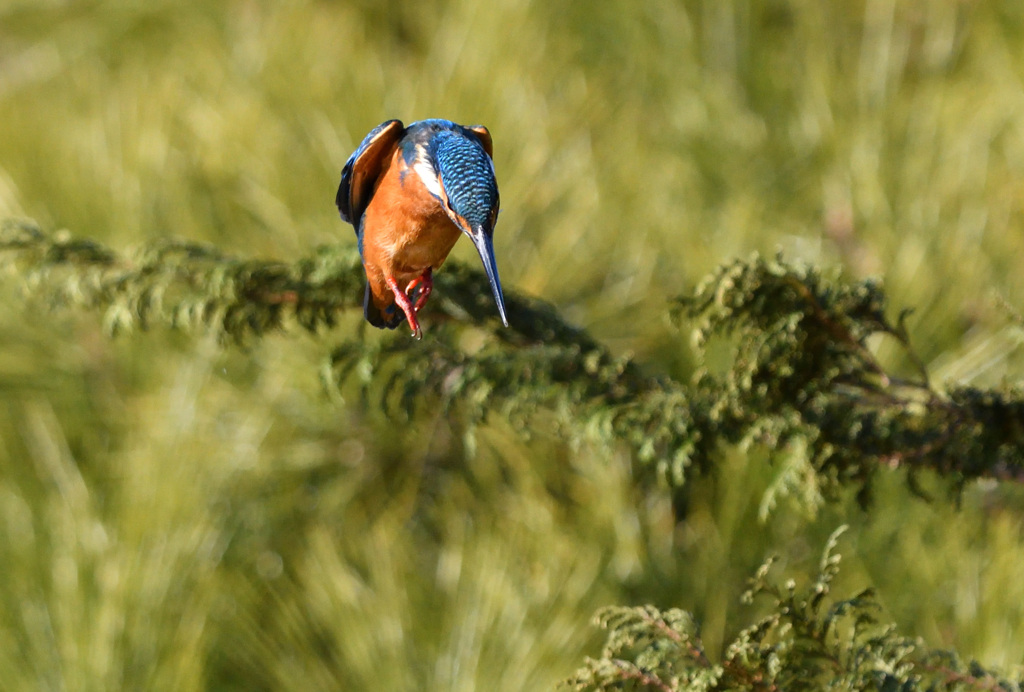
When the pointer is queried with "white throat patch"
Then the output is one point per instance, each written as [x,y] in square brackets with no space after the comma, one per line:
[425,170]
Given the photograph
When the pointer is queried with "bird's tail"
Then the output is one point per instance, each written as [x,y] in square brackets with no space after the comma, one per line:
[388,319]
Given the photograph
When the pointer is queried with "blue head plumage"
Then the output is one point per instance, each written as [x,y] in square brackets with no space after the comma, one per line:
[467,175]
[457,168]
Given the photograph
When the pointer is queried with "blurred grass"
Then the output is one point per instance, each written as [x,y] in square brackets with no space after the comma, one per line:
[174,516]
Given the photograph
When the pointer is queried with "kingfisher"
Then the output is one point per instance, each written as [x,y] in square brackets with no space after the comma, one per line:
[410,192]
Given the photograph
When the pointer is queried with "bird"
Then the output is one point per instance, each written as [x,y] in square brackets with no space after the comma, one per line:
[410,192]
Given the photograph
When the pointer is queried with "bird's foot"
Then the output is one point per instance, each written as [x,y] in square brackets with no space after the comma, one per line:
[407,307]
[425,284]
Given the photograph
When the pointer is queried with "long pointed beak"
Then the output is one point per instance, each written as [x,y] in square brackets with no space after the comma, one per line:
[485,246]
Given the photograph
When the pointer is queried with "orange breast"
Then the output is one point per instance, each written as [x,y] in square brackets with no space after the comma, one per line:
[405,230]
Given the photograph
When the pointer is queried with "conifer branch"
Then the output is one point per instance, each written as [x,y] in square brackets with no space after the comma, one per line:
[802,370]
[183,285]
[802,379]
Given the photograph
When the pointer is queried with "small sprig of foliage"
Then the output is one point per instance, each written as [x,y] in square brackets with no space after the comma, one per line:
[796,373]
[809,640]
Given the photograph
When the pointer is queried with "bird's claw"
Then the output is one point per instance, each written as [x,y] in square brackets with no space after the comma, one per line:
[423,286]
[407,307]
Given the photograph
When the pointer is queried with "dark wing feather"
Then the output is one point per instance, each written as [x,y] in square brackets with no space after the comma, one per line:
[364,168]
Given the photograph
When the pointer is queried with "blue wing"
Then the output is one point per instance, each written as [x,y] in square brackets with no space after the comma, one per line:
[364,168]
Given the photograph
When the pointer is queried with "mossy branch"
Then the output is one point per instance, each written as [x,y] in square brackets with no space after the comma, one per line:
[801,379]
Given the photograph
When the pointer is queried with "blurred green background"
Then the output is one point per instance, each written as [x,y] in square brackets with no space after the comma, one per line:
[175,515]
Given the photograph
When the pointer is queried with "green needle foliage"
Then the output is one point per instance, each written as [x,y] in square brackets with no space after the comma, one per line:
[786,364]
[808,641]
[802,373]
[314,504]
[184,285]
[800,376]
